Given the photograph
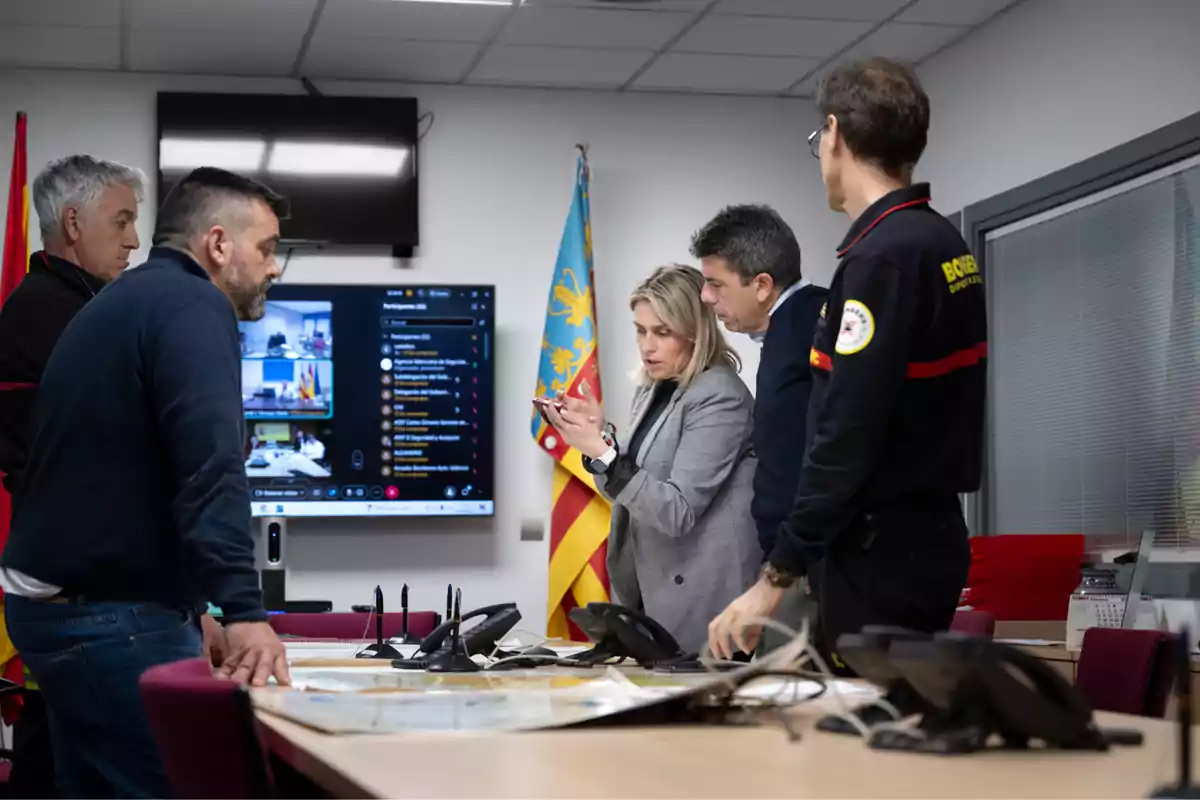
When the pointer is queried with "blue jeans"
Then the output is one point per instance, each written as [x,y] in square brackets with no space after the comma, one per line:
[87,658]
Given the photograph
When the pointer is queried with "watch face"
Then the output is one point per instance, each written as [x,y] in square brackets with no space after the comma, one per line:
[777,578]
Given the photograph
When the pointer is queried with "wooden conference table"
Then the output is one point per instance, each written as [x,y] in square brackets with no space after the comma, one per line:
[705,761]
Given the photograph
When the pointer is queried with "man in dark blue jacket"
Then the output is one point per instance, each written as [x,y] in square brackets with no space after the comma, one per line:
[751,264]
[135,508]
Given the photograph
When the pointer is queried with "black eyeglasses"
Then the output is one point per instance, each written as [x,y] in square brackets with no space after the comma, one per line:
[814,141]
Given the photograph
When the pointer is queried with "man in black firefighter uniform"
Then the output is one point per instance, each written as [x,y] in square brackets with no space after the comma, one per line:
[895,423]
[87,210]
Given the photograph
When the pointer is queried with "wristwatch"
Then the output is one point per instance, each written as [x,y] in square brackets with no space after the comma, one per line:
[600,464]
[776,577]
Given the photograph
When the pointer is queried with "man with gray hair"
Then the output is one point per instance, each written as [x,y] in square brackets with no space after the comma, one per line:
[87,211]
[135,506]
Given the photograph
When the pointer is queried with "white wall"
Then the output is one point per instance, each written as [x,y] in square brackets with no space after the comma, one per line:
[1053,82]
[496,174]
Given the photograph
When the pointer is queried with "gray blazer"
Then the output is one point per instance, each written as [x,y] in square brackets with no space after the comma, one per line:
[682,541]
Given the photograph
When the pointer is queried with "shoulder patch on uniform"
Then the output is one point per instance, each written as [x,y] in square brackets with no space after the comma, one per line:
[823,307]
[857,328]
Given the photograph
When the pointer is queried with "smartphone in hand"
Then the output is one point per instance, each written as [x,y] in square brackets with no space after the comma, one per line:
[542,403]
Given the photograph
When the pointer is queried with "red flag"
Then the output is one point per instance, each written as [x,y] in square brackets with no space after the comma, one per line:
[16,227]
[12,270]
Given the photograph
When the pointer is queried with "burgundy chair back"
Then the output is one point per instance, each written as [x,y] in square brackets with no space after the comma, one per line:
[205,732]
[1126,671]
[974,623]
[352,626]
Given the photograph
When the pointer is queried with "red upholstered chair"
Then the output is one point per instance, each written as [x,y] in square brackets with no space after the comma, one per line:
[205,732]
[352,626]
[974,623]
[1126,671]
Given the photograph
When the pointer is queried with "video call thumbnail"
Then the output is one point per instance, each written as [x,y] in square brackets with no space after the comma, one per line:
[288,450]
[290,329]
[287,388]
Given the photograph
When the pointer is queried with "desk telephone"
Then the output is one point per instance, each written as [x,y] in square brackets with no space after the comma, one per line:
[481,638]
[621,632]
[969,689]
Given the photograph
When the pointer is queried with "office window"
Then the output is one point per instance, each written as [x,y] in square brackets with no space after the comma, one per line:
[1094,395]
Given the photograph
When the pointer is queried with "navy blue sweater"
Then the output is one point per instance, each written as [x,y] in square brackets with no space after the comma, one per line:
[135,489]
[780,410]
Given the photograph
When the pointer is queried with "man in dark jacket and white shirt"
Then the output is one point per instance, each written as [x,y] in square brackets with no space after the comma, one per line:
[751,264]
[135,508]
[87,214]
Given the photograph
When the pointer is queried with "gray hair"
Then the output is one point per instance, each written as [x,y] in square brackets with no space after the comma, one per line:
[77,181]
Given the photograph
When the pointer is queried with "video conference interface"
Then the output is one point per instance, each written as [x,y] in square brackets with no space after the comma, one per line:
[370,401]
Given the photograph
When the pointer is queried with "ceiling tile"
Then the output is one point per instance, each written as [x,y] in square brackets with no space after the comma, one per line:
[287,18]
[558,66]
[75,13]
[430,22]
[769,36]
[388,59]
[578,27]
[248,52]
[901,41]
[953,12]
[656,5]
[861,10]
[723,73]
[906,42]
[40,46]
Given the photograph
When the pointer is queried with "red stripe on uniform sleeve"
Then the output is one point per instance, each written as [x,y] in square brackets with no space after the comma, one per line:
[820,360]
[6,386]
[961,359]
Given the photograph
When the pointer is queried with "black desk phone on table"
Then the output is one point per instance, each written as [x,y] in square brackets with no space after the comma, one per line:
[621,632]
[480,638]
[971,689]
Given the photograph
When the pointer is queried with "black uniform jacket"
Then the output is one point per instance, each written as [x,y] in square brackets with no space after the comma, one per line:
[31,320]
[898,365]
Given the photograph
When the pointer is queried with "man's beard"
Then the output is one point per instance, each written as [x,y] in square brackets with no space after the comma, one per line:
[250,302]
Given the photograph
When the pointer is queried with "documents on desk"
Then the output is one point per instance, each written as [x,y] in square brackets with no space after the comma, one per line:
[379,699]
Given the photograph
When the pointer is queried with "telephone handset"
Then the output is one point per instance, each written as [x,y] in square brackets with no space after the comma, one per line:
[623,632]
[498,620]
[973,687]
[1031,699]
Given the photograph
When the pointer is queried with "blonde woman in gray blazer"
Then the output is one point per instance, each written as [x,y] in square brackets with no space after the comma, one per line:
[682,543]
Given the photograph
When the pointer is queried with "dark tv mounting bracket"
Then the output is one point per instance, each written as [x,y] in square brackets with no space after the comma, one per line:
[401,252]
[302,244]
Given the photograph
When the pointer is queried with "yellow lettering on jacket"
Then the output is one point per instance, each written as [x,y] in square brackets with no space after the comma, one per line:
[961,272]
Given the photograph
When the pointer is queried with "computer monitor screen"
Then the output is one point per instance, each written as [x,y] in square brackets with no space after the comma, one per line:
[368,401]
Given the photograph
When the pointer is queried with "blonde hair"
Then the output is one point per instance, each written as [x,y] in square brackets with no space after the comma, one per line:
[673,292]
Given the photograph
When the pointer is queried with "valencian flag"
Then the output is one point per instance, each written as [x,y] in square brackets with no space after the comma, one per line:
[580,514]
[12,270]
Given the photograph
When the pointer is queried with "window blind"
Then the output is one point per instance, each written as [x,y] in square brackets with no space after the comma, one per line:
[1094,368]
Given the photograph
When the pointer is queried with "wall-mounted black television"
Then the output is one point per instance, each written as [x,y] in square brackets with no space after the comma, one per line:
[368,401]
[348,165]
